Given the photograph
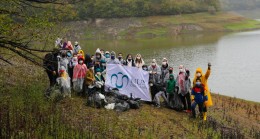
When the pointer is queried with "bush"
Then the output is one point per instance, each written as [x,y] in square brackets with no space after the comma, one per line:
[212,10]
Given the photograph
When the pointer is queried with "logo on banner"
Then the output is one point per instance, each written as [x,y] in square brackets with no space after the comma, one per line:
[119,84]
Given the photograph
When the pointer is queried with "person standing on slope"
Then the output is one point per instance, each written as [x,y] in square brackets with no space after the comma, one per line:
[204,80]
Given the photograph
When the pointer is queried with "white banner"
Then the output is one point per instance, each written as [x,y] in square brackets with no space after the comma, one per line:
[128,80]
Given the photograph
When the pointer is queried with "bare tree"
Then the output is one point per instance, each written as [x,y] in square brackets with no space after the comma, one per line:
[28,27]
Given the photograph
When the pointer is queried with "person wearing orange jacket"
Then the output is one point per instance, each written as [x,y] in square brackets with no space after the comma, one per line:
[204,80]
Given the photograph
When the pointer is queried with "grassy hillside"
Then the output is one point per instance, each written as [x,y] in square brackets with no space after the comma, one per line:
[25,113]
[160,25]
[230,117]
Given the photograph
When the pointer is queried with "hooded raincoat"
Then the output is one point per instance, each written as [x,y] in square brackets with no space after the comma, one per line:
[64,82]
[81,54]
[79,73]
[69,45]
[77,48]
[204,81]
[155,72]
[113,61]
[97,61]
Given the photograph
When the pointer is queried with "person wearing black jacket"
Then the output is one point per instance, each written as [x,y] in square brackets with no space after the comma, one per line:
[129,61]
[50,64]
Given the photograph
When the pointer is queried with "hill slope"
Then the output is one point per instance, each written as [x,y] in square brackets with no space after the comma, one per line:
[26,113]
[229,117]
[153,26]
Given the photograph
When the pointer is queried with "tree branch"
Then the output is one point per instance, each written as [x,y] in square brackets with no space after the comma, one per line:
[5,60]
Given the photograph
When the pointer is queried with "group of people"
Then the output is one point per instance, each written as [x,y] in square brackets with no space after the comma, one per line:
[68,65]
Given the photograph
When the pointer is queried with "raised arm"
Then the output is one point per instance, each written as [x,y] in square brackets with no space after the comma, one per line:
[208,71]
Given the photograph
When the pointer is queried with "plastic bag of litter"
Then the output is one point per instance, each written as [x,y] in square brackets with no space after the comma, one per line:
[177,103]
[134,104]
[122,106]
[110,106]
[96,100]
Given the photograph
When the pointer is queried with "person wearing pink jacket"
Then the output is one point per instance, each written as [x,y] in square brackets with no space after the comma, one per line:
[79,73]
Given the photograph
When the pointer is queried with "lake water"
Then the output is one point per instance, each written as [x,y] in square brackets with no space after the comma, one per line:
[235,57]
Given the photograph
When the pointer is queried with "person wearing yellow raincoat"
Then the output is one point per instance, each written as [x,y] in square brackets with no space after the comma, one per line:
[204,80]
[64,82]
[81,54]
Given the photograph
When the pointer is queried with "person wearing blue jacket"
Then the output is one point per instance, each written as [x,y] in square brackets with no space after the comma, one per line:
[198,97]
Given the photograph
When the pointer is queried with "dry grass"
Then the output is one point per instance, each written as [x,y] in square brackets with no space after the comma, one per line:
[229,116]
[24,109]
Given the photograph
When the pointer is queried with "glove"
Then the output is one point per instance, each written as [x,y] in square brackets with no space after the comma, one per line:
[209,65]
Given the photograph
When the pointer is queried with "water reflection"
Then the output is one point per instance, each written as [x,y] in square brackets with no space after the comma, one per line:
[235,57]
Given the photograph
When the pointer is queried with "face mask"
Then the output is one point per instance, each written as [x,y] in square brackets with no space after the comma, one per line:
[63,56]
[98,56]
[164,63]
[198,83]
[107,55]
[80,62]
[170,71]
[171,78]
[69,54]
[181,70]
[112,57]
[120,57]
[129,59]
[198,74]
[145,69]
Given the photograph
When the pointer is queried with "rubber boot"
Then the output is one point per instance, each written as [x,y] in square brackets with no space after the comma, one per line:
[204,116]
